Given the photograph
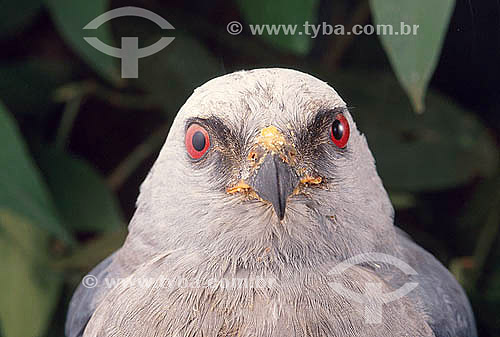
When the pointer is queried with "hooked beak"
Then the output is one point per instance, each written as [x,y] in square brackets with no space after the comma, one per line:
[273,176]
[274,182]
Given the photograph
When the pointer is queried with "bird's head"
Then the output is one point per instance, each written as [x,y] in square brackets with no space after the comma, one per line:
[259,162]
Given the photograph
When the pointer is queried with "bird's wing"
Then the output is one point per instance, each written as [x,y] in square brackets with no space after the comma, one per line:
[439,296]
[84,300]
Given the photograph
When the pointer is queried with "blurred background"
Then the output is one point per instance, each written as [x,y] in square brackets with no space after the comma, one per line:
[77,139]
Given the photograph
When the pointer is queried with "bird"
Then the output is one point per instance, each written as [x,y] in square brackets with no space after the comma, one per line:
[263,188]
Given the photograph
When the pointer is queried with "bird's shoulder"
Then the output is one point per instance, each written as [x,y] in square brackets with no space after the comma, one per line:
[438,296]
[86,298]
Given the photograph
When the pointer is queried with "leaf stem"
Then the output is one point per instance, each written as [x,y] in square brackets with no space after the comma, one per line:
[137,156]
[339,46]
[68,118]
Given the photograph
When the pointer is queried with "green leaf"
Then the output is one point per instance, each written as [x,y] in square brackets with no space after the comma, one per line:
[171,75]
[29,288]
[283,12]
[28,87]
[413,56]
[402,200]
[16,14]
[91,253]
[80,193]
[493,291]
[440,149]
[461,268]
[22,190]
[480,204]
[70,17]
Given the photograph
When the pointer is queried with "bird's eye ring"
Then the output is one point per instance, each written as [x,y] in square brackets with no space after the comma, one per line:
[197,141]
[340,131]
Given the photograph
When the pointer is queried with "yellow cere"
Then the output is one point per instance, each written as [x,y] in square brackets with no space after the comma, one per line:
[241,186]
[271,139]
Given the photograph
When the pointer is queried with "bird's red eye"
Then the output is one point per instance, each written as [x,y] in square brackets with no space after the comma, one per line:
[340,131]
[197,141]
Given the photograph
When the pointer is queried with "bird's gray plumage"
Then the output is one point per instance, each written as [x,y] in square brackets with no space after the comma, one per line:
[84,301]
[440,297]
[188,232]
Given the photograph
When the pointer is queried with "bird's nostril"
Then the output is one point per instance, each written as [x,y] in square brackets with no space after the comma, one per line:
[252,156]
[256,155]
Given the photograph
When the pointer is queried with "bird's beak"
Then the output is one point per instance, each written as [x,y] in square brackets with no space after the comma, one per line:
[272,178]
[274,175]
[274,181]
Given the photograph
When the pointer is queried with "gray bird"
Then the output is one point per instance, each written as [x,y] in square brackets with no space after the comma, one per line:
[264,180]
